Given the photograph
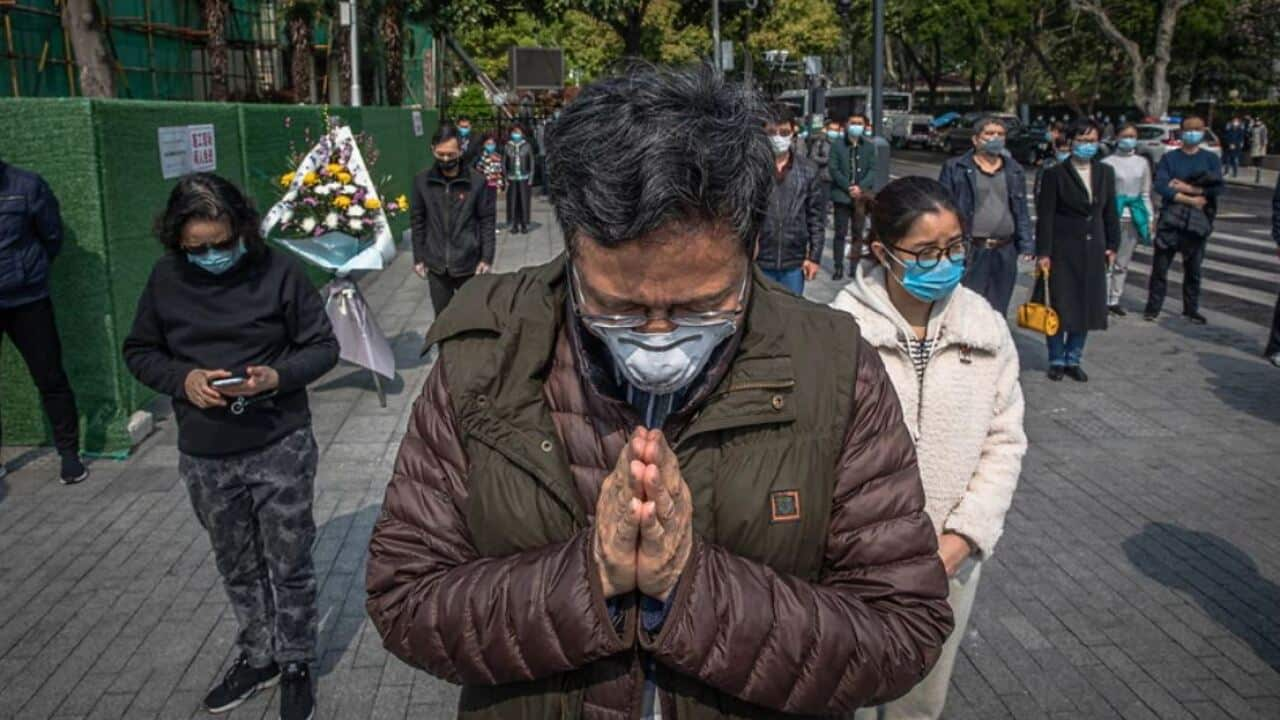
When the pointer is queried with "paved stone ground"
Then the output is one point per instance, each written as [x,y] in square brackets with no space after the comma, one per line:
[1139,576]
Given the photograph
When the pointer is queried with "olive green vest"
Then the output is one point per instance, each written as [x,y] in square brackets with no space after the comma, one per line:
[759,456]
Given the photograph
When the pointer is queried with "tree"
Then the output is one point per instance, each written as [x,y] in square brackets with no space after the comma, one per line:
[391,28]
[215,23]
[802,27]
[83,23]
[1149,73]
[299,17]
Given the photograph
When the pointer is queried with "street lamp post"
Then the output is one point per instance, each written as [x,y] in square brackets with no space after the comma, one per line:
[877,68]
[355,54]
[715,36]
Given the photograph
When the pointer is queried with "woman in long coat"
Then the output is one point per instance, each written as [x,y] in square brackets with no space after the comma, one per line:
[1077,233]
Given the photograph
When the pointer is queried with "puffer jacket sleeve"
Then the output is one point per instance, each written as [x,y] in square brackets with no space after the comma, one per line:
[980,514]
[468,619]
[868,630]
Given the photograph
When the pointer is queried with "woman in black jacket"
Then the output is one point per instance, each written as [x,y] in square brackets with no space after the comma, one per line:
[1077,233]
[233,332]
[518,166]
[453,221]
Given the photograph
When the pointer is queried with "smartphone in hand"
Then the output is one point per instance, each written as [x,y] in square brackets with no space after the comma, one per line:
[228,382]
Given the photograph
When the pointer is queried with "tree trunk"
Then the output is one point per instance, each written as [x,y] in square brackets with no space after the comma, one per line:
[633,34]
[1073,102]
[84,26]
[392,28]
[215,23]
[300,63]
[340,53]
[1150,92]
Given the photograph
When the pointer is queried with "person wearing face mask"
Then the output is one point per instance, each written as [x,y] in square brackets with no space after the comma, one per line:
[469,146]
[452,219]
[644,452]
[955,369]
[818,151]
[1077,234]
[517,164]
[789,250]
[1234,140]
[1133,198]
[489,164]
[852,168]
[31,237]
[990,189]
[1059,152]
[233,332]
[1189,181]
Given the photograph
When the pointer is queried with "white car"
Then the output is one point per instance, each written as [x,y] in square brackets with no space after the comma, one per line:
[1156,139]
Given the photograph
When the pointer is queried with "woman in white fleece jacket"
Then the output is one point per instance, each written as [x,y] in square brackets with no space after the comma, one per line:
[954,365]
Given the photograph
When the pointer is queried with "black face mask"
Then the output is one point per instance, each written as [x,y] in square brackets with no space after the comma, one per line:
[448,165]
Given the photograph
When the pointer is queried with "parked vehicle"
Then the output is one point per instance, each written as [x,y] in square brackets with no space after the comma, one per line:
[1029,144]
[910,130]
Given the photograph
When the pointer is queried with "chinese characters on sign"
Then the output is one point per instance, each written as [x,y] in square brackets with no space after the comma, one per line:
[187,149]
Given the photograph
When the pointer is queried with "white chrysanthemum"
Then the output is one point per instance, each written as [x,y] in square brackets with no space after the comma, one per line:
[308,224]
[355,225]
[331,220]
[349,189]
[322,190]
[355,211]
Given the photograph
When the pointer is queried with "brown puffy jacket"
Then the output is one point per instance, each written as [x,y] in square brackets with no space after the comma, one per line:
[813,588]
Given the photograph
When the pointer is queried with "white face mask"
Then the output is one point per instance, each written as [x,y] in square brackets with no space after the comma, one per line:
[663,363]
[781,143]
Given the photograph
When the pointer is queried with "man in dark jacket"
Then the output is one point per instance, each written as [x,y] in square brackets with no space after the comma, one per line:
[818,150]
[790,247]
[1234,139]
[1189,181]
[453,220]
[1273,343]
[853,181]
[990,190]
[30,238]
[638,482]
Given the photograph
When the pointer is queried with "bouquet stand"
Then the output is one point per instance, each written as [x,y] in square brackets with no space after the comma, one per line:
[332,217]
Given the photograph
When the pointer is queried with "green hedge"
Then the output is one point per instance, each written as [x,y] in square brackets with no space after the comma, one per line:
[101,159]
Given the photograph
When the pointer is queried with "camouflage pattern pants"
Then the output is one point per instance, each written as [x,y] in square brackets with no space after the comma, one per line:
[257,510]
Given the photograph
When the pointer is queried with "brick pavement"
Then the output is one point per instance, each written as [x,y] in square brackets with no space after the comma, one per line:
[1139,576]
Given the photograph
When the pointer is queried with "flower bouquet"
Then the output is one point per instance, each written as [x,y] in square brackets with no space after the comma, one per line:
[330,213]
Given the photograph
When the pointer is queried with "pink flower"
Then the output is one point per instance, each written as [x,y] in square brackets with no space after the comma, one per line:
[318,231]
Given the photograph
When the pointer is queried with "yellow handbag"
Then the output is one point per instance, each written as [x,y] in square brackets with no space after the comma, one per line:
[1041,318]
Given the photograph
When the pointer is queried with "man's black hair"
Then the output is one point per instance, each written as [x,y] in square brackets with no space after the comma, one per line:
[1188,118]
[782,114]
[446,131]
[655,146]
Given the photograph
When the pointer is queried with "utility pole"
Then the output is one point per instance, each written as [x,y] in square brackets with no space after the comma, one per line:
[355,54]
[877,69]
[715,36]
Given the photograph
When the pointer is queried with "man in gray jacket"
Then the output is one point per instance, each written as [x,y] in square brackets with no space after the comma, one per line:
[30,237]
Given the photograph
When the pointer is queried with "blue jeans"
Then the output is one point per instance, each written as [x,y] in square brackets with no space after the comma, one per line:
[792,279]
[1066,349]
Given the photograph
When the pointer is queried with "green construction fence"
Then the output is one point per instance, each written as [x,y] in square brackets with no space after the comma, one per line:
[102,160]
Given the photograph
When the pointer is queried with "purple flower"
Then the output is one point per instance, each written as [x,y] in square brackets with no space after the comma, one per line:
[318,231]
[310,201]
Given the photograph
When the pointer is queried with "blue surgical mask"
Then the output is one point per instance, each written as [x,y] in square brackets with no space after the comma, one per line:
[856,131]
[1193,137]
[833,135]
[517,136]
[490,147]
[929,285]
[1085,151]
[994,146]
[216,261]
[1127,144]
[464,131]
[1062,155]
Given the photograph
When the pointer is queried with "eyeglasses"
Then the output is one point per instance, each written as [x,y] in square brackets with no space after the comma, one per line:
[929,257]
[220,246]
[631,322]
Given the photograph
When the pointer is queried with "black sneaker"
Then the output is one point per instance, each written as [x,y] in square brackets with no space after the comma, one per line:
[838,274]
[1077,373]
[1116,310]
[239,684]
[297,696]
[1196,318]
[1150,316]
[1055,372]
[73,471]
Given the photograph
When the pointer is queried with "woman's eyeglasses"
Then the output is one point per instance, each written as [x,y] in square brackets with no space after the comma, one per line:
[929,257]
